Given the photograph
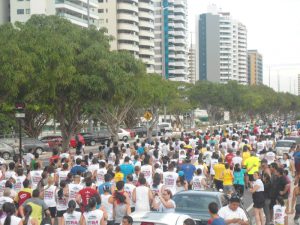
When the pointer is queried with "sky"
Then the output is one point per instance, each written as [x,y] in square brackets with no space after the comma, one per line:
[273,29]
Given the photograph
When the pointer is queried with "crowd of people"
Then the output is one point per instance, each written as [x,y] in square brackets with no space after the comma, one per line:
[105,188]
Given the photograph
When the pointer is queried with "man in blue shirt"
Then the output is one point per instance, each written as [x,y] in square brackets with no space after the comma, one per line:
[213,211]
[126,168]
[107,183]
[189,170]
[78,169]
[141,149]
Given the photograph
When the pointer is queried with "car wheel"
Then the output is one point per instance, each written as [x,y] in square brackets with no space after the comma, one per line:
[93,143]
[39,151]
[125,138]
[6,155]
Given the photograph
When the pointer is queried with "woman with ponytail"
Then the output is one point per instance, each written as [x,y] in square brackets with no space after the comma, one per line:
[61,201]
[121,203]
[72,216]
[27,220]
[93,216]
[10,218]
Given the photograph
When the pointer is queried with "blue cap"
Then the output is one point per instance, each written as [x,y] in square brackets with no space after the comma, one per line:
[181,173]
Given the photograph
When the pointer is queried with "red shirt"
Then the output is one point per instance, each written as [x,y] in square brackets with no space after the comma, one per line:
[23,196]
[228,158]
[86,194]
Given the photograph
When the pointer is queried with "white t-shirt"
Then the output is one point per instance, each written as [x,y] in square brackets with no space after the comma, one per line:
[35,176]
[93,217]
[278,214]
[5,199]
[226,213]
[13,221]
[73,218]
[237,160]
[28,158]
[61,203]
[259,183]
[163,209]
[64,155]
[9,174]
[93,167]
[73,191]
[100,176]
[147,171]
[49,196]
[197,183]
[62,175]
[19,182]
[129,189]
[169,180]
[2,187]
[270,157]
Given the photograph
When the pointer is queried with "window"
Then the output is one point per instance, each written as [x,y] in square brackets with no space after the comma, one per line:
[20,0]
[20,11]
[106,10]
[27,11]
[100,1]
[100,10]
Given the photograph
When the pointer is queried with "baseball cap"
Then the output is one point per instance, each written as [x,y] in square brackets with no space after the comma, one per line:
[181,173]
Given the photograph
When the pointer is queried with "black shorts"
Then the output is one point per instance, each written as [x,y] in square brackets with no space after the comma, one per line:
[60,213]
[250,177]
[218,184]
[258,200]
[52,212]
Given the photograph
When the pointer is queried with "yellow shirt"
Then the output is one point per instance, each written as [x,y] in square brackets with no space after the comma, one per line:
[227,177]
[245,156]
[252,164]
[118,177]
[219,169]
[203,150]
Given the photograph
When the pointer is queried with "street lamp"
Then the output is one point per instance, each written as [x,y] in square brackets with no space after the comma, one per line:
[20,114]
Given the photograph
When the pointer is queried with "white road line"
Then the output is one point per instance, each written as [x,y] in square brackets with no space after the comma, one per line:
[249,208]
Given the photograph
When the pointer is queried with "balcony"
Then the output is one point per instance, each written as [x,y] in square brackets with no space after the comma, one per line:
[128,6]
[146,15]
[64,4]
[73,19]
[128,47]
[148,6]
[145,33]
[130,17]
[128,26]
[146,24]
[145,51]
[128,37]
[149,43]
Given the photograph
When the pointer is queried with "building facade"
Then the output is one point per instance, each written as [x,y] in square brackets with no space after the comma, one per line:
[171,49]
[221,51]
[255,67]
[79,12]
[192,64]
[131,23]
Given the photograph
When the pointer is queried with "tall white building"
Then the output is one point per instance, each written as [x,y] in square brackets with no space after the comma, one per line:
[79,12]
[192,64]
[171,48]
[221,52]
[131,23]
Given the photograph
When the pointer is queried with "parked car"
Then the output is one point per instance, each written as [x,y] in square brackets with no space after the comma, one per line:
[54,141]
[195,203]
[283,146]
[37,145]
[6,151]
[165,127]
[92,139]
[293,138]
[132,133]
[123,134]
[157,218]
[142,131]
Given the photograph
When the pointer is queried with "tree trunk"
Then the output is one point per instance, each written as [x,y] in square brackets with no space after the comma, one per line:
[34,123]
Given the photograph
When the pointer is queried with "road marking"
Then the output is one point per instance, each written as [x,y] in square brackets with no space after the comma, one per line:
[249,208]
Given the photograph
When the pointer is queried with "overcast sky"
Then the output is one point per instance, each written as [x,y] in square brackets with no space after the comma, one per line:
[273,29]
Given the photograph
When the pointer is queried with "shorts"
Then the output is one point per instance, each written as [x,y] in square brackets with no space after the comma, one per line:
[219,184]
[60,213]
[227,188]
[52,212]
[258,200]
[251,177]
[239,189]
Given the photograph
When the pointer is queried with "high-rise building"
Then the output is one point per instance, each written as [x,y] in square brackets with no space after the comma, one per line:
[221,48]
[131,23]
[255,67]
[171,48]
[298,84]
[192,64]
[79,12]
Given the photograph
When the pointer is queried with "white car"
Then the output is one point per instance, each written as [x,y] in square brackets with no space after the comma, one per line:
[283,146]
[123,134]
[157,218]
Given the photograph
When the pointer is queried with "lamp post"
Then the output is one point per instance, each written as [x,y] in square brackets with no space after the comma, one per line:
[20,114]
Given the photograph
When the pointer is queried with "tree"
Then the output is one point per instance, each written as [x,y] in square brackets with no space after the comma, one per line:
[68,65]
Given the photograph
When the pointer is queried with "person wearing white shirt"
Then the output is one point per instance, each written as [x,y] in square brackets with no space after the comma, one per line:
[147,170]
[258,199]
[233,214]
[237,159]
[170,179]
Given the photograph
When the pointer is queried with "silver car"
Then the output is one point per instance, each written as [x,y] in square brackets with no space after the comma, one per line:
[283,146]
[6,151]
[157,218]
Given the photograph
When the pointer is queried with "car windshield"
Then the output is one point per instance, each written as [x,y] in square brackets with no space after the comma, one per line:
[194,203]
[284,144]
